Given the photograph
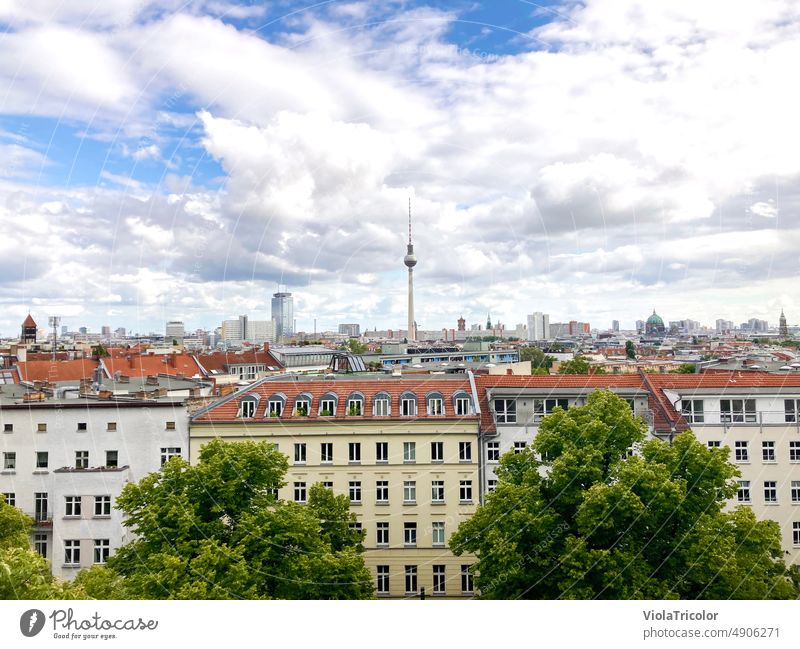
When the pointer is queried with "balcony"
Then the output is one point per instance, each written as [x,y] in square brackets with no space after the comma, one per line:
[735,419]
[41,520]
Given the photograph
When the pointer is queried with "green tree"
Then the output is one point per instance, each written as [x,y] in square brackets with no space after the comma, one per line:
[216,531]
[356,347]
[100,351]
[684,368]
[578,365]
[630,350]
[589,521]
[539,360]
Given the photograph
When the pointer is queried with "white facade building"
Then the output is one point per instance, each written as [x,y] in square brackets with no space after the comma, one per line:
[539,326]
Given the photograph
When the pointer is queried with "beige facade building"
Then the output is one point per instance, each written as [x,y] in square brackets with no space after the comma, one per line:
[404,450]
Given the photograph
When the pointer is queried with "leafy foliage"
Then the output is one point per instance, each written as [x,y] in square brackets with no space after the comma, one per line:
[630,350]
[539,360]
[590,521]
[684,368]
[578,365]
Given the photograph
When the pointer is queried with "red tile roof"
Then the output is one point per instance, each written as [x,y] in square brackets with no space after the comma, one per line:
[58,370]
[219,360]
[152,365]
[29,321]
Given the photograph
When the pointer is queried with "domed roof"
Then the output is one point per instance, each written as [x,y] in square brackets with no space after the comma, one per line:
[655,319]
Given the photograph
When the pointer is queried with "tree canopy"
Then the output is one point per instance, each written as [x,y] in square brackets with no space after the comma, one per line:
[539,360]
[590,520]
[578,365]
[630,350]
[215,530]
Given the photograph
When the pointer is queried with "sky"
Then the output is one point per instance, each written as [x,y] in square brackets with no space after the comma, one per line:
[592,160]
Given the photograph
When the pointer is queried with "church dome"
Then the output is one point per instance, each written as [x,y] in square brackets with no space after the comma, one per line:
[655,319]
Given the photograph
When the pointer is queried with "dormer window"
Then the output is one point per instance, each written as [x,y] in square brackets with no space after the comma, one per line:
[463,405]
[408,404]
[327,406]
[275,408]
[302,406]
[435,405]
[355,405]
[247,407]
[381,406]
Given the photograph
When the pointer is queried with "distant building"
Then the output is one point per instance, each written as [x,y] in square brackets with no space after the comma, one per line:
[174,331]
[119,332]
[350,329]
[539,326]
[724,326]
[462,324]
[654,325]
[29,327]
[640,326]
[283,315]
[783,330]
[105,331]
[615,325]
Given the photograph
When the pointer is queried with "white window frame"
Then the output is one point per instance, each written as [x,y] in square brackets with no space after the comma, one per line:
[741,450]
[169,452]
[796,533]
[437,491]
[382,580]
[247,408]
[382,492]
[328,404]
[382,534]
[381,407]
[692,410]
[355,404]
[408,407]
[72,552]
[437,534]
[102,550]
[791,408]
[519,447]
[300,492]
[435,407]
[10,461]
[72,506]
[409,452]
[794,451]
[465,452]
[463,406]
[770,492]
[354,491]
[491,485]
[439,579]
[81,459]
[381,452]
[409,534]
[795,491]
[467,579]
[300,453]
[768,452]
[505,411]
[274,408]
[102,506]
[437,452]
[714,443]
[409,492]
[733,416]
[411,575]
[743,493]
[10,498]
[354,452]
[301,404]
[492,451]
[326,453]
[465,491]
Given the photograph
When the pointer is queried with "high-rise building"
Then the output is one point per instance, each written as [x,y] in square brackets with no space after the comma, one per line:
[724,326]
[260,331]
[462,324]
[783,330]
[174,331]
[283,315]
[539,326]
[352,330]
[119,332]
[615,325]
[105,331]
[640,326]
[410,260]
[234,331]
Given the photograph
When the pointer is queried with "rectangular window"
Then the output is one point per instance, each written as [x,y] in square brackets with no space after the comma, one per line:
[300,453]
[354,407]
[10,461]
[410,534]
[275,408]
[467,583]
[102,547]
[381,451]
[409,491]
[169,452]
[327,484]
[437,491]
[437,534]
[112,458]
[42,428]
[493,451]
[299,492]
[10,498]
[491,485]
[768,451]
[326,452]
[519,447]
[354,452]
[435,407]
[247,409]
[796,491]
[8,428]
[743,495]
[380,408]
[81,459]
[301,408]
[796,533]
[40,544]
[505,411]
[465,491]
[170,425]
[102,505]
[692,410]
[408,407]
[383,580]
[794,451]
[713,443]
[81,426]
[463,406]
[411,580]
[41,459]
[40,506]
[327,407]
[112,426]
[438,579]
[409,452]
[465,451]
[72,552]
[791,408]
[437,451]
[737,410]
[382,491]
[741,453]
[72,505]
[382,533]
[355,491]
[770,491]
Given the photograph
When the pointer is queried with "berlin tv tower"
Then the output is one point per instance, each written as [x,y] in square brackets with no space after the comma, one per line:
[410,260]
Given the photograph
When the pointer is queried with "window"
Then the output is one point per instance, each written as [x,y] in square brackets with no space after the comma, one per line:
[354,407]
[408,406]
[794,451]
[713,443]
[796,533]
[327,407]
[247,408]
[326,452]
[168,453]
[327,484]
[383,580]
[9,461]
[519,447]
[40,506]
[40,544]
[102,548]
[409,491]
[410,534]
[301,407]
[465,451]
[41,459]
[435,406]
[381,451]
[463,406]
[791,408]
[737,410]
[770,491]
[81,426]
[437,491]
[356,526]
[275,408]
[382,491]
[354,452]
[382,533]
[10,498]
[102,505]
[493,451]
[112,458]
[437,534]
[8,428]
[300,453]
[409,452]
[355,491]
[467,583]
[692,410]
[796,491]
[42,428]
[505,411]
[740,452]
[81,459]
[170,425]
[72,505]
[112,425]
[768,451]
[437,451]
[72,552]
[491,485]
[380,407]
[438,579]
[411,579]
[743,495]
[542,407]
[465,491]
[299,492]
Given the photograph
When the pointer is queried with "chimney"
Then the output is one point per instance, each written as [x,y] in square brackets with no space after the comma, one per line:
[130,361]
[266,347]
[509,371]
[171,360]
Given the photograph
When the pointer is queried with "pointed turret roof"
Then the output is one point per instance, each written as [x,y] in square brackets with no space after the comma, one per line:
[29,321]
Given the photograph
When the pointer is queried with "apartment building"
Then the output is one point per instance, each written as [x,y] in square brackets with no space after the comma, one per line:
[403,449]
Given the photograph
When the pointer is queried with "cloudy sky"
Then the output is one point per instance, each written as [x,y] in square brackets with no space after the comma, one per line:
[593,160]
